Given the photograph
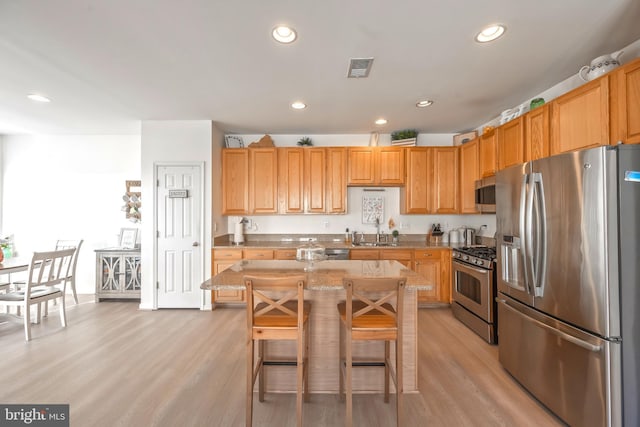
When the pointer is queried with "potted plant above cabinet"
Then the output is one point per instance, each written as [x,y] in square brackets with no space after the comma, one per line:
[406,137]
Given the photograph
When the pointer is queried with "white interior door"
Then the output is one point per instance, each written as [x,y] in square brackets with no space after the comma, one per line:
[179,236]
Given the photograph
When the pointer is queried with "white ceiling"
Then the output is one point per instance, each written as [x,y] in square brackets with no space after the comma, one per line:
[108,64]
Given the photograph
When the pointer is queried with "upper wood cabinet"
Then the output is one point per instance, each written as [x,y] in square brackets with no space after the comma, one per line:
[415,195]
[580,118]
[510,140]
[469,174]
[235,181]
[376,166]
[291,180]
[432,181]
[487,154]
[315,180]
[336,186]
[537,133]
[445,180]
[263,180]
[626,126]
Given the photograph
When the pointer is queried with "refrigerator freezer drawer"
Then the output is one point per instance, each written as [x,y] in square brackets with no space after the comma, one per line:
[574,374]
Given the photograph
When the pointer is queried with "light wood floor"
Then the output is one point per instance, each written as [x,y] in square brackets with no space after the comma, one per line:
[118,366]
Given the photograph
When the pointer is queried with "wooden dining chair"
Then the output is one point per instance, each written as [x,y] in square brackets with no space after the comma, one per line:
[46,280]
[368,314]
[71,279]
[276,310]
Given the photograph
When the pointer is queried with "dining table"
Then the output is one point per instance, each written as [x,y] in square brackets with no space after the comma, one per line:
[323,287]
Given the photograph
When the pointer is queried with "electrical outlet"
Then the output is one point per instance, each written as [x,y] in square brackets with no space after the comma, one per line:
[325,224]
[404,225]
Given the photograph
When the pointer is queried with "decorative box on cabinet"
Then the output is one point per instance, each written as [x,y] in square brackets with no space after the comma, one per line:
[117,273]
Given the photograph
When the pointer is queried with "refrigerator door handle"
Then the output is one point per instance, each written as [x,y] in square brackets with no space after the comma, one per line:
[541,236]
[529,267]
[523,231]
[554,331]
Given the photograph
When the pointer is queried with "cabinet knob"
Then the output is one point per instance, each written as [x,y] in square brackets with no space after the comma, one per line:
[196,244]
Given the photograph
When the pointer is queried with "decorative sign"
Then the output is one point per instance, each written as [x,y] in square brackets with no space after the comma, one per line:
[178,194]
[128,238]
[372,209]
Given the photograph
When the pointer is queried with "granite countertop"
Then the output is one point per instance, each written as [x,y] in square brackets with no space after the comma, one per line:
[328,241]
[324,275]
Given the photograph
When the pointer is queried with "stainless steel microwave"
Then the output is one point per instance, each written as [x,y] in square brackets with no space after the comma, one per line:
[486,195]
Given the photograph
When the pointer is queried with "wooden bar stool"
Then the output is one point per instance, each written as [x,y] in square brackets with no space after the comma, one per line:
[276,310]
[368,315]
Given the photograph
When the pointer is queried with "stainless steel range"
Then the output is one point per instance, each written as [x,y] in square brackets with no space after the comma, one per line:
[474,289]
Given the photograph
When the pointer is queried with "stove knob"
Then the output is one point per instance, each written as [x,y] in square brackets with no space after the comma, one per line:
[466,258]
[479,262]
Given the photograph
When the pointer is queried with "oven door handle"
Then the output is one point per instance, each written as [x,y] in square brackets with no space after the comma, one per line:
[477,270]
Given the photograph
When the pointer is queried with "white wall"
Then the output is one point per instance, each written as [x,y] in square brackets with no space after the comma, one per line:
[336,224]
[67,187]
[630,53]
[166,142]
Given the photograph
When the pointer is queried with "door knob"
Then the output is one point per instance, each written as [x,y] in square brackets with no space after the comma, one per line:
[195,244]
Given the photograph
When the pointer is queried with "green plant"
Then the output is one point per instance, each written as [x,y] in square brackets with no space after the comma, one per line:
[304,141]
[395,233]
[404,134]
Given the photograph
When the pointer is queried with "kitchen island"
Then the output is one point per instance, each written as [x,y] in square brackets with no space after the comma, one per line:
[324,289]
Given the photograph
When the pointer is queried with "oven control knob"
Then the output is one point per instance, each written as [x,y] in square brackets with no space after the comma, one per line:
[479,262]
[466,258]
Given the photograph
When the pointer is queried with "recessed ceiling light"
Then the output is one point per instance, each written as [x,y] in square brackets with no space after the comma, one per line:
[425,103]
[490,33]
[381,121]
[284,34]
[298,105]
[38,98]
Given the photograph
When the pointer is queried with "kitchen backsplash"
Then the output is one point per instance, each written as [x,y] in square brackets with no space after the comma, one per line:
[353,220]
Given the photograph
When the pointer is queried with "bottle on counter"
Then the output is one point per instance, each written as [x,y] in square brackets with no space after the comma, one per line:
[347,236]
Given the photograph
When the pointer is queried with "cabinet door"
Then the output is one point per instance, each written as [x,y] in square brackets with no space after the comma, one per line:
[445,276]
[361,166]
[414,196]
[235,181]
[403,256]
[536,133]
[390,166]
[263,180]
[628,105]
[430,269]
[510,137]
[285,254]
[110,268]
[257,254]
[291,180]
[315,179]
[581,117]
[223,259]
[469,173]
[488,154]
[364,254]
[445,180]
[227,295]
[336,180]
[132,274]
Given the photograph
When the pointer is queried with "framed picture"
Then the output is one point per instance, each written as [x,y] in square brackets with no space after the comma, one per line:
[233,141]
[128,238]
[372,209]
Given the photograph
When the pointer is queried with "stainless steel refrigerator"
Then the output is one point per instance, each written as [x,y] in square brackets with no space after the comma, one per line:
[568,237]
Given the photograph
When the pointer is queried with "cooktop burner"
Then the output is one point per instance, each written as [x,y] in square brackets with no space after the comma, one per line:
[481,252]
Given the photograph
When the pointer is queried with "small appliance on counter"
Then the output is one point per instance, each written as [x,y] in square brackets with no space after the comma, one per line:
[238,234]
[435,237]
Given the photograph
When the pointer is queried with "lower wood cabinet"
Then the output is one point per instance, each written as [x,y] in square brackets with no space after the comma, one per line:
[223,259]
[434,264]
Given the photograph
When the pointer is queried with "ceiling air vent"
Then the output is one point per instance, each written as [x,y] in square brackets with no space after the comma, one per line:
[359,67]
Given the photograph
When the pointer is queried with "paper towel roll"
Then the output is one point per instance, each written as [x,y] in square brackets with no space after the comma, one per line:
[238,235]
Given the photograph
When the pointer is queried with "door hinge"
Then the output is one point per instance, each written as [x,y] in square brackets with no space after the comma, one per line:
[157,183]
[158,233]
[157,285]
